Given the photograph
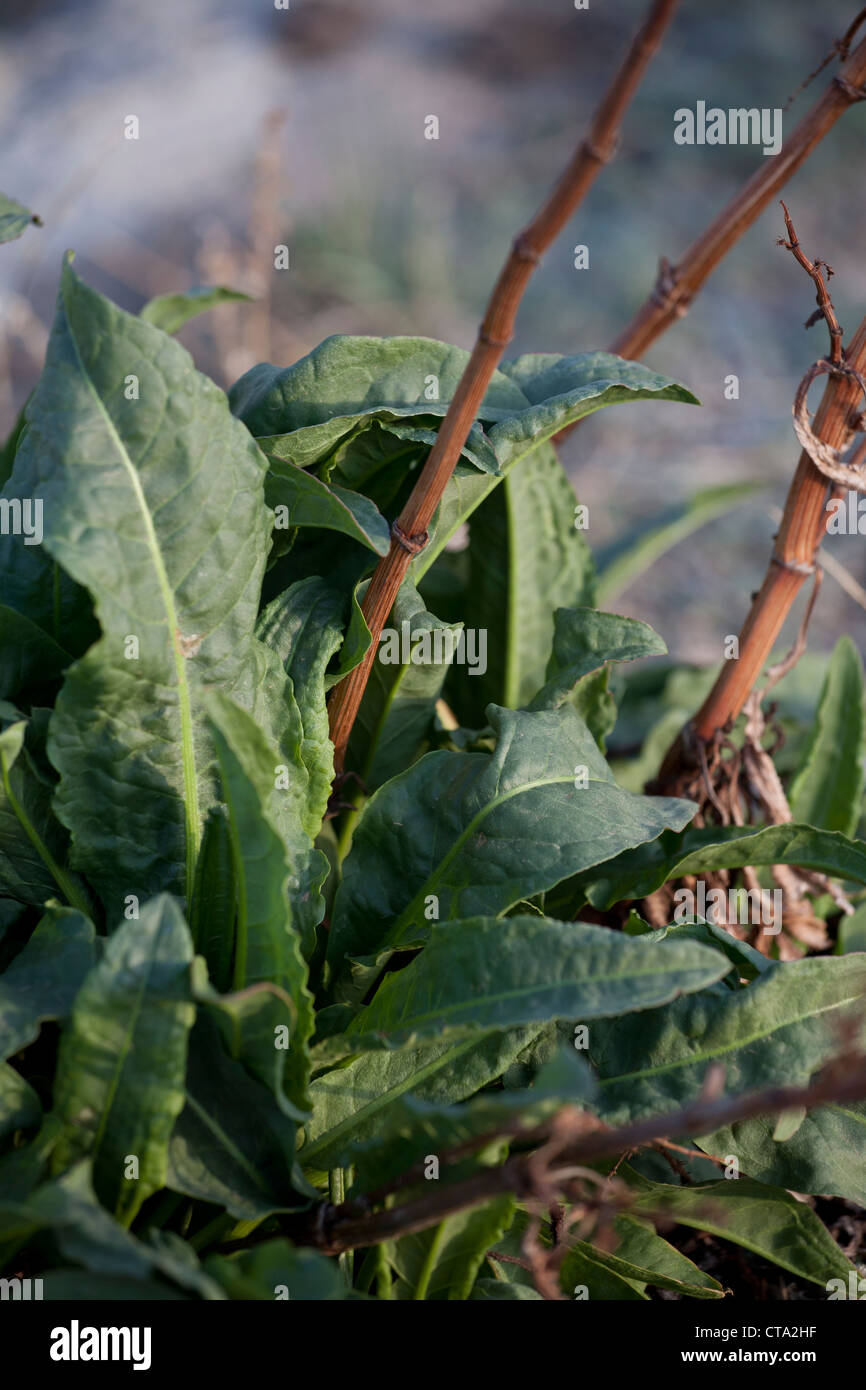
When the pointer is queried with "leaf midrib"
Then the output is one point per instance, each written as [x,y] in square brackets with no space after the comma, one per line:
[734,1046]
[383,1099]
[543,991]
[433,879]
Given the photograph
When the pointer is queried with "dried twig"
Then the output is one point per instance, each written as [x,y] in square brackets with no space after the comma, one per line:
[797,542]
[574,1139]
[409,531]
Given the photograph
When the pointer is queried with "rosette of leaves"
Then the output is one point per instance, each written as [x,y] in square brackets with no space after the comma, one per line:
[220,1009]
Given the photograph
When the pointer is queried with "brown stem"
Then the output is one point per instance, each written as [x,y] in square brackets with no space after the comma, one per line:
[349,1226]
[409,533]
[792,562]
[677,285]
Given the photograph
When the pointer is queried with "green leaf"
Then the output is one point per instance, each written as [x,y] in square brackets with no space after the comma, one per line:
[443,1262]
[153,500]
[83,1230]
[641,1254]
[171,311]
[44,978]
[637,873]
[9,449]
[562,390]
[766,1220]
[33,845]
[28,655]
[14,218]
[72,1286]
[485,974]
[852,932]
[301,499]
[410,1128]
[559,391]
[465,834]
[747,962]
[525,560]
[347,382]
[352,1103]
[400,697]
[585,1273]
[635,552]
[485,1290]
[277,1270]
[85,1234]
[304,627]
[267,943]
[214,903]
[584,640]
[828,786]
[777,1032]
[231,1145]
[19,1104]
[120,1072]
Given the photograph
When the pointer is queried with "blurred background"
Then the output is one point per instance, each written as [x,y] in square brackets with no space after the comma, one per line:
[305,126]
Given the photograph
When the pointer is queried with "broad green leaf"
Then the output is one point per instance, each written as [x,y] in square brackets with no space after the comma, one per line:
[379,458]
[411,1129]
[267,942]
[14,218]
[777,1032]
[29,656]
[304,626]
[632,554]
[19,1104]
[415,652]
[353,1102]
[43,979]
[278,1271]
[301,499]
[485,974]
[747,962]
[83,1230]
[153,500]
[828,786]
[495,1290]
[638,872]
[585,639]
[526,559]
[347,382]
[348,386]
[561,390]
[33,844]
[766,1220]
[120,1072]
[443,1261]
[85,1234]
[466,834]
[585,1274]
[231,1145]
[171,311]
[641,1254]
